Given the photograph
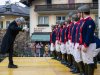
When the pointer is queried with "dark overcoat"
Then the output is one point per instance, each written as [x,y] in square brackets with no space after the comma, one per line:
[9,37]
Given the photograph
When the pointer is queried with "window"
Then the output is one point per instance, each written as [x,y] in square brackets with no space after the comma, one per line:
[95,1]
[49,2]
[60,19]
[43,20]
[96,19]
[96,22]
[8,6]
[7,23]
[1,24]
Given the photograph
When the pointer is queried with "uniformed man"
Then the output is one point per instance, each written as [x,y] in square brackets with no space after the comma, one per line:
[63,42]
[9,38]
[75,19]
[71,46]
[58,50]
[78,55]
[67,42]
[52,41]
[66,37]
[87,40]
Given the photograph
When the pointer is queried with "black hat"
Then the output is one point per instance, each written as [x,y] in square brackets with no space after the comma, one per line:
[84,8]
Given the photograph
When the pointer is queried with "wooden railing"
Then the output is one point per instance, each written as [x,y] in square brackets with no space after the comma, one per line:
[58,7]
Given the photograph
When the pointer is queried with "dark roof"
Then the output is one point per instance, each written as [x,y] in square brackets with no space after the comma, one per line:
[27,2]
[15,10]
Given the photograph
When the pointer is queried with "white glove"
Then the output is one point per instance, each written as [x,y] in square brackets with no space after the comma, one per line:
[84,49]
[25,28]
[79,47]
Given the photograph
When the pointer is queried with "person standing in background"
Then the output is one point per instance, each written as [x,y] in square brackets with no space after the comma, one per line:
[38,46]
[41,49]
[46,50]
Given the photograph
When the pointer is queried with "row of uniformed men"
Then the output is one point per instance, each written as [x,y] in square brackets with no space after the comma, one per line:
[74,42]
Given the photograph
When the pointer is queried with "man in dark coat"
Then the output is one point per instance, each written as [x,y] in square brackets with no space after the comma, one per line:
[9,38]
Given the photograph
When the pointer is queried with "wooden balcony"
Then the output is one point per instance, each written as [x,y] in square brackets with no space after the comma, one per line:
[60,7]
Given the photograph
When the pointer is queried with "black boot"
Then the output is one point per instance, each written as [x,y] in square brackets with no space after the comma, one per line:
[76,70]
[81,74]
[86,69]
[72,68]
[12,66]
[90,69]
[72,62]
[54,55]
[69,61]
[59,56]
[95,62]
[66,59]
[63,59]
[81,68]
[65,56]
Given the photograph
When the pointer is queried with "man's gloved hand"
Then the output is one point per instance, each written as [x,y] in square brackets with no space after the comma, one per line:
[25,28]
[79,47]
[84,49]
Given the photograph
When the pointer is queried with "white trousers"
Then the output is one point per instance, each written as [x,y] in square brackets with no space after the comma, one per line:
[67,47]
[77,53]
[72,48]
[57,46]
[52,48]
[96,51]
[88,56]
[63,48]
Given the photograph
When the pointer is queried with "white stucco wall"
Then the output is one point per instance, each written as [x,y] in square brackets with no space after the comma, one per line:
[33,19]
[59,1]
[83,1]
[66,1]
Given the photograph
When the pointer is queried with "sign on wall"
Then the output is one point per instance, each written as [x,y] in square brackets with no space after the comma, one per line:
[42,29]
